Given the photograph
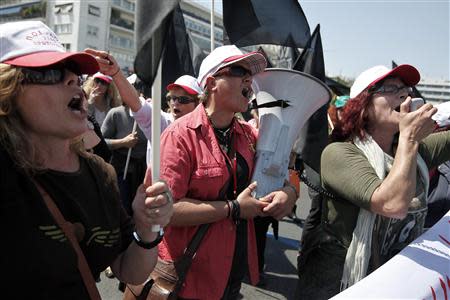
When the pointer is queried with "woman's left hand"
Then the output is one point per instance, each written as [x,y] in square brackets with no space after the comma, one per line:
[152,205]
[280,202]
[106,62]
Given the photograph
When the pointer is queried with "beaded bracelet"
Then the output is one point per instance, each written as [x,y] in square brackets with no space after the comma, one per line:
[236,211]
[229,208]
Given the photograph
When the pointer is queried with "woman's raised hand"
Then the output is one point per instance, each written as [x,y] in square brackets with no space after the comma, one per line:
[108,65]
[416,125]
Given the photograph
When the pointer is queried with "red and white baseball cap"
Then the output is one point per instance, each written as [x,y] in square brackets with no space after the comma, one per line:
[33,44]
[187,83]
[407,73]
[103,77]
[223,56]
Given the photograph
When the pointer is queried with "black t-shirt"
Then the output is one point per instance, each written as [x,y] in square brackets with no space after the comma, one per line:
[35,253]
[239,266]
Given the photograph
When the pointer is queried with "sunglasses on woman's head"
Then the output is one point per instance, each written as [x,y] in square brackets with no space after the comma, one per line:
[49,75]
[180,99]
[233,71]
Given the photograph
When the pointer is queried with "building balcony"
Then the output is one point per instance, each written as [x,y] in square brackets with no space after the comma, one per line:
[124,5]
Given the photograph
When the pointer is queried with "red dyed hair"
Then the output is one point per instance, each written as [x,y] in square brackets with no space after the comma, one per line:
[354,118]
[332,113]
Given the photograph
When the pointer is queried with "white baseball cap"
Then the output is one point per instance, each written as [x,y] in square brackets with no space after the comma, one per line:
[187,83]
[33,44]
[228,55]
[407,73]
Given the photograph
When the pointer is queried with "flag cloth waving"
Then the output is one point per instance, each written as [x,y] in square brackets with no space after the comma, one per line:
[253,22]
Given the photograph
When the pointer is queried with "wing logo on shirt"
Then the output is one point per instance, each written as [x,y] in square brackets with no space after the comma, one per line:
[54,232]
[107,238]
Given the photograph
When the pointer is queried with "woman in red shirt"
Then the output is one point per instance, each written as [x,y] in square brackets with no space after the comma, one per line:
[208,160]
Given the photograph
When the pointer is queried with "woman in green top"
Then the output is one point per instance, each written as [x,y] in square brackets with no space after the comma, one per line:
[376,176]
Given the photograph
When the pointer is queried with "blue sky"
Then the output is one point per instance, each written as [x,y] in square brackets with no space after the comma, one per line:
[359,34]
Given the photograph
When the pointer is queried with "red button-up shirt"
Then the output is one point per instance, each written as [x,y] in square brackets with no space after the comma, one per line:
[193,166]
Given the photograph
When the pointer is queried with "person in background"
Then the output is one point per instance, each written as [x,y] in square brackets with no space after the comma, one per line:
[42,116]
[117,130]
[375,175]
[97,145]
[102,95]
[182,98]
[208,161]
[439,190]
[254,121]
[335,110]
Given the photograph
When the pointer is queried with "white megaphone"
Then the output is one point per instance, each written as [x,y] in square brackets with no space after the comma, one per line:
[286,99]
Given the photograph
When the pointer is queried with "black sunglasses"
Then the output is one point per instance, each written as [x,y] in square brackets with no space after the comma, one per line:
[180,99]
[49,75]
[99,81]
[392,89]
[233,71]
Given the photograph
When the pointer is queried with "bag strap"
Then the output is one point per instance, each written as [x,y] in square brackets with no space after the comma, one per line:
[182,266]
[83,266]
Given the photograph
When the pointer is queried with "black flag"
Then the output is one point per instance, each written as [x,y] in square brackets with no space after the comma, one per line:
[253,22]
[197,55]
[269,63]
[316,129]
[152,24]
[416,92]
[337,87]
[177,59]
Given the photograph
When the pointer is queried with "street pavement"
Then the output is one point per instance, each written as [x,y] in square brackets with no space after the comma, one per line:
[281,262]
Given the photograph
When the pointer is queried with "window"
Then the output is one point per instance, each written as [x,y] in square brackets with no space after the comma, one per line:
[92,30]
[121,42]
[22,11]
[94,10]
[63,28]
[118,19]
[67,46]
[63,8]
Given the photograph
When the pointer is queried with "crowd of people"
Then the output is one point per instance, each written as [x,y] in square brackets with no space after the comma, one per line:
[77,196]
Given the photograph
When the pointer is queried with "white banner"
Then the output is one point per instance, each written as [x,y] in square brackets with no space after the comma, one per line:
[420,271]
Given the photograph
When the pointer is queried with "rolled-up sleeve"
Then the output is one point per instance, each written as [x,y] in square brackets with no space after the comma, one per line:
[143,118]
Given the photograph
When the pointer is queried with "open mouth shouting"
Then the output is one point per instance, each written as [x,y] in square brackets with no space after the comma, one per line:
[76,104]
[247,92]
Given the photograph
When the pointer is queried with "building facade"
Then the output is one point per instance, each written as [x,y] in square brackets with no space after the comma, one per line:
[434,91]
[106,25]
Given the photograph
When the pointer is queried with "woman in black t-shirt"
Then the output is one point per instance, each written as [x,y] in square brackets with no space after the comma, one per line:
[42,112]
